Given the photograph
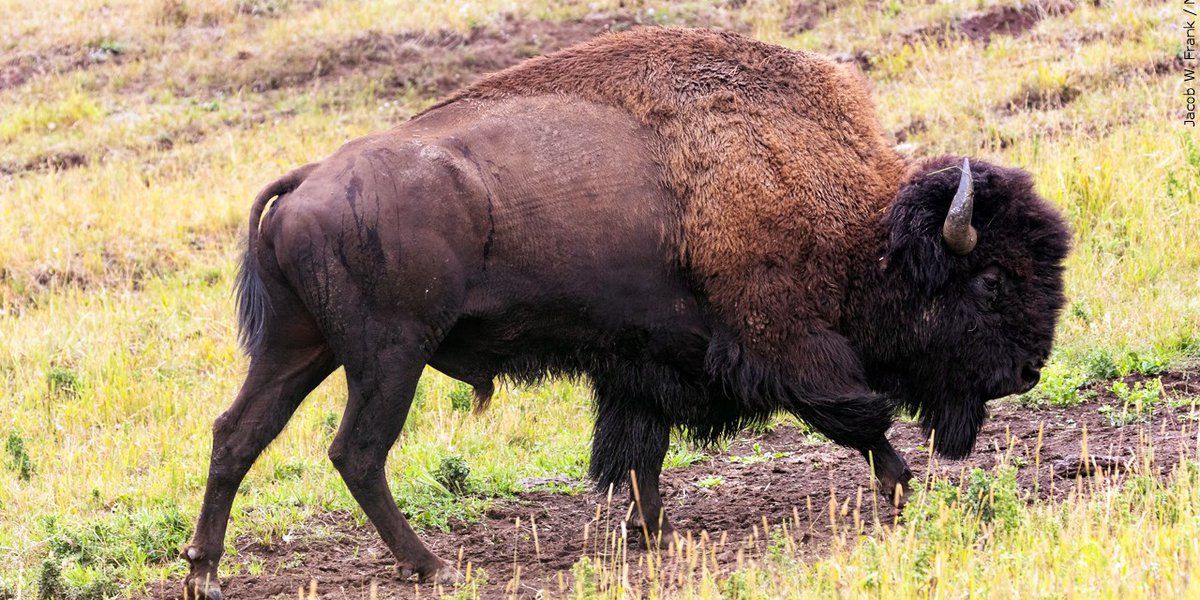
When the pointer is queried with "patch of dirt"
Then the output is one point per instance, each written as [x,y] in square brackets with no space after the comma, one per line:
[19,69]
[785,480]
[1033,97]
[1152,68]
[58,160]
[434,63]
[1041,98]
[805,14]
[1009,20]
[914,128]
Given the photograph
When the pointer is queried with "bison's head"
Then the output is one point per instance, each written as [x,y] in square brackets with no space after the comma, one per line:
[974,257]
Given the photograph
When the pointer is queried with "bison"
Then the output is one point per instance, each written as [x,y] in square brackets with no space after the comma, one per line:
[707,228]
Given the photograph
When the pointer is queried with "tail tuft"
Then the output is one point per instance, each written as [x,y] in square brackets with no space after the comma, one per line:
[253,303]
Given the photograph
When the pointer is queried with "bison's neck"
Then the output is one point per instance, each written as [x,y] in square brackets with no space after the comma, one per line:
[873,315]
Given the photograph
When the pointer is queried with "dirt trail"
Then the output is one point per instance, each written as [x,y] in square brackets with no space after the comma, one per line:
[782,477]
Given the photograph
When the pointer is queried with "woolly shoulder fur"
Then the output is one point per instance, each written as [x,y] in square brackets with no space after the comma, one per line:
[775,156]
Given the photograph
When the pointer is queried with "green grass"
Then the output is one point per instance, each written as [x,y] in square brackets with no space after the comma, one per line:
[117,347]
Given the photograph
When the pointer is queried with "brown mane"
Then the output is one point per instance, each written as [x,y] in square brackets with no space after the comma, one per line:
[776,158]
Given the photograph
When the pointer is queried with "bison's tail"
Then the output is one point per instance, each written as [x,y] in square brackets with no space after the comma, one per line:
[253,301]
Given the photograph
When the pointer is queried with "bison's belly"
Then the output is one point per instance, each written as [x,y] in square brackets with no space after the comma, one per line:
[580,330]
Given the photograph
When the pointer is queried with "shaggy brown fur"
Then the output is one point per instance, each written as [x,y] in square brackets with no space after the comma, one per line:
[776,158]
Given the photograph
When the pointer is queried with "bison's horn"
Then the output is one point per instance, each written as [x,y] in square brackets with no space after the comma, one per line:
[957,229]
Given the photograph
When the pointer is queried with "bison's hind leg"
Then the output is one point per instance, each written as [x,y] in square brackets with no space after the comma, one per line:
[288,363]
[385,336]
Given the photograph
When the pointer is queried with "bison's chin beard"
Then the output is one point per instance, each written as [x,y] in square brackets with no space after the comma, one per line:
[954,427]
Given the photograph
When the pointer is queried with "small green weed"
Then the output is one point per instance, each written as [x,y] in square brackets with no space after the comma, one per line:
[1060,386]
[757,455]
[1137,402]
[63,382]
[682,454]
[1142,363]
[583,572]
[947,516]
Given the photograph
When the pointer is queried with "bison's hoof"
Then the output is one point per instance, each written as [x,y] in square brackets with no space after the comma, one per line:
[201,589]
[650,538]
[440,574]
[896,491]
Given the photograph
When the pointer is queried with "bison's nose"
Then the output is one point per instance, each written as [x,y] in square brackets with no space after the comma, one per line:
[1031,373]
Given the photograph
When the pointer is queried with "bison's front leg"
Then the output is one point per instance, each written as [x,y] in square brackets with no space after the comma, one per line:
[628,448]
[861,421]
[891,471]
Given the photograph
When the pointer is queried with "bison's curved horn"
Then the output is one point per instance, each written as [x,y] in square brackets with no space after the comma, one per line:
[957,230]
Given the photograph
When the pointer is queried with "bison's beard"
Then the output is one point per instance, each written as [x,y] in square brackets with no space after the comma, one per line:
[954,427]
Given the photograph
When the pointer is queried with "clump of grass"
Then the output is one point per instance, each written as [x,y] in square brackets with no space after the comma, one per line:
[50,584]
[47,117]
[85,560]
[1049,88]
[63,382]
[952,516]
[744,585]
[124,537]
[710,482]
[681,454]
[1137,402]
[1142,363]
[757,455]
[18,457]
[428,506]
[584,574]
[329,422]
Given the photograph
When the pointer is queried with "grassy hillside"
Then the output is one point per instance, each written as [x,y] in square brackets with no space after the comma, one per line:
[133,136]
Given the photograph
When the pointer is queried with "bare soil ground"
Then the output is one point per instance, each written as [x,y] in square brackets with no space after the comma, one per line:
[779,478]
[1012,21]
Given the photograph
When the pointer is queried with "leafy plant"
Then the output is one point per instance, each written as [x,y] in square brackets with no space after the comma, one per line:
[757,455]
[946,516]
[462,397]
[1142,363]
[1060,387]
[452,473]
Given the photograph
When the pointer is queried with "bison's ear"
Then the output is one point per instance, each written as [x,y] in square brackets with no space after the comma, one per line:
[919,256]
[924,227]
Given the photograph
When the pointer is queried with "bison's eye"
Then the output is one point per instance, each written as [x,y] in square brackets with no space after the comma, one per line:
[987,285]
